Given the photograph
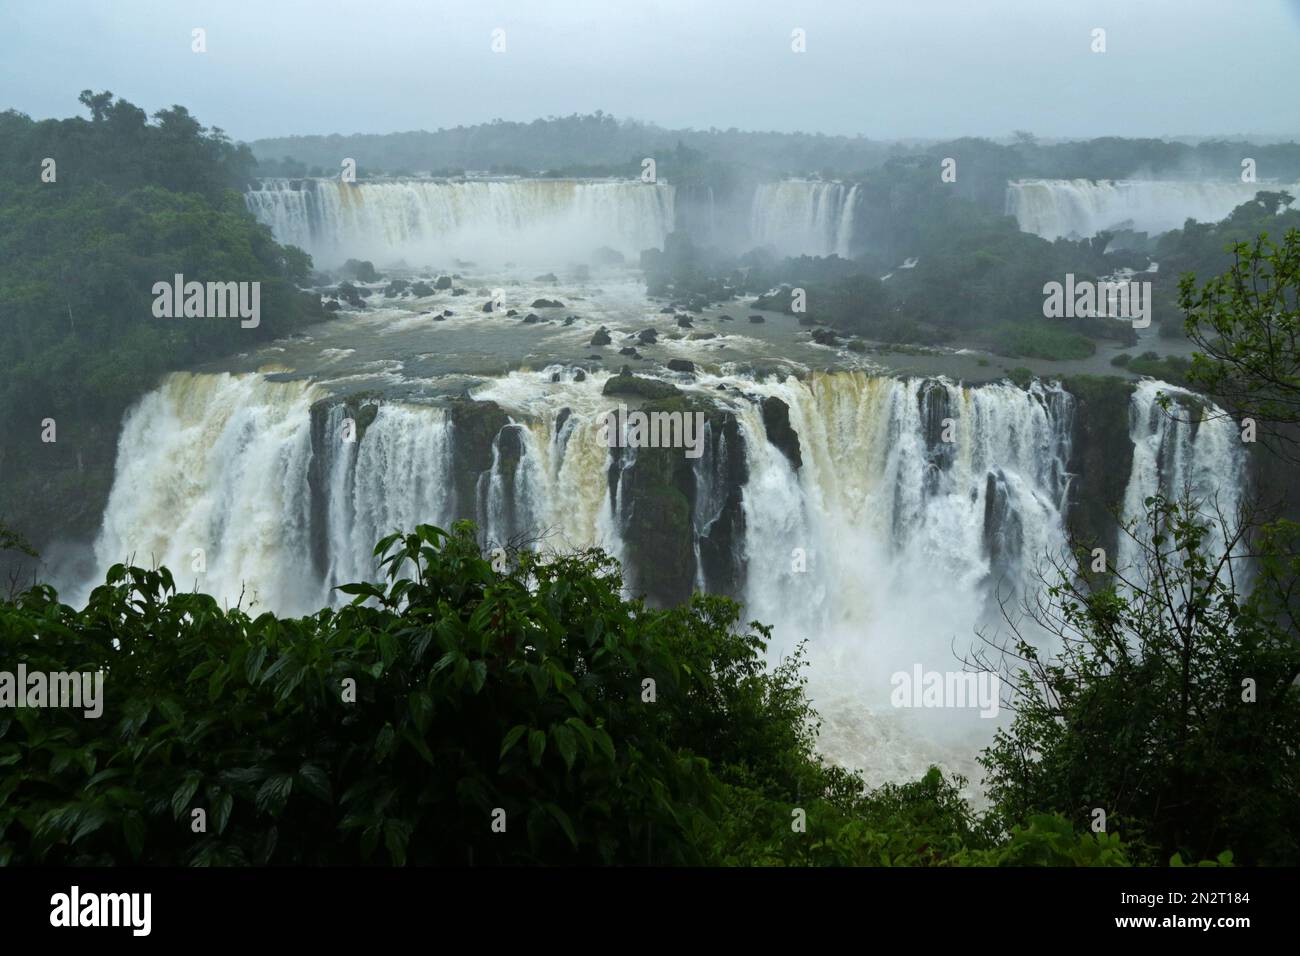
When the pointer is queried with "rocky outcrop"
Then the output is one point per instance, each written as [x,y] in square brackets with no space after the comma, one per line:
[1101,458]
[475,426]
[776,422]
[636,386]
[670,505]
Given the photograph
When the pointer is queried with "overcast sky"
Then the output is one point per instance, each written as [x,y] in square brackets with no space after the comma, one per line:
[905,68]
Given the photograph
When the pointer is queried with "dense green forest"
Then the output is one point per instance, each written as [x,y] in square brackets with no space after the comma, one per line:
[461,714]
[128,202]
[600,141]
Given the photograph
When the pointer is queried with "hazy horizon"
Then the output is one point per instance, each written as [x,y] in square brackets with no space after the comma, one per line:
[930,70]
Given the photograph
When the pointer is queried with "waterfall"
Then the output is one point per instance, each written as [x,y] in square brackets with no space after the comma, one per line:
[395,476]
[1193,449]
[211,482]
[1062,208]
[522,220]
[799,217]
[917,508]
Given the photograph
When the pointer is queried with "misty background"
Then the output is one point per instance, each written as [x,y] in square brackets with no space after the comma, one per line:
[926,69]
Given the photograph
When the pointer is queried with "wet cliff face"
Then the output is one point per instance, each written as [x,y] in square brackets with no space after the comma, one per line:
[475,427]
[1101,460]
[682,521]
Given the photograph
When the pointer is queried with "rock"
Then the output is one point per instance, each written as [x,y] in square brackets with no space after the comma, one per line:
[757,319]
[447,313]
[825,337]
[628,350]
[598,358]
[532,318]
[360,269]
[444,282]
[511,313]
[421,290]
[547,304]
[570,319]
[555,376]
[648,336]
[681,365]
[546,277]
[684,322]
[776,421]
[487,306]
[460,291]
[476,425]
[727,318]
[580,375]
[625,383]
[601,337]
[396,288]
[667,310]
[348,293]
[332,305]
[702,336]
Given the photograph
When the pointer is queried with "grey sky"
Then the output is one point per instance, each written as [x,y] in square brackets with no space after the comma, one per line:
[906,68]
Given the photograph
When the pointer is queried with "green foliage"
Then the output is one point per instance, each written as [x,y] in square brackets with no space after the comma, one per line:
[134,203]
[1145,712]
[1246,323]
[392,729]
[1172,368]
[1041,340]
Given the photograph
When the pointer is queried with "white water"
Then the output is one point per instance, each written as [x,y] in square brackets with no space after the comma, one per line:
[397,476]
[1057,208]
[211,483]
[799,217]
[1208,467]
[894,528]
[490,221]
[905,552]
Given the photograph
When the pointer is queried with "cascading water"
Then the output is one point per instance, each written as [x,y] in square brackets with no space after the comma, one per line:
[519,220]
[211,482]
[799,217]
[397,475]
[1192,450]
[1062,208]
[906,539]
[917,503]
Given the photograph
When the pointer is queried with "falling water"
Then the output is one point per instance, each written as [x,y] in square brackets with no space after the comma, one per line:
[799,217]
[918,504]
[491,220]
[1057,208]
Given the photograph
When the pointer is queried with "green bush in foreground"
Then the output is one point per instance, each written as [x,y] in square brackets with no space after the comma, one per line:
[475,691]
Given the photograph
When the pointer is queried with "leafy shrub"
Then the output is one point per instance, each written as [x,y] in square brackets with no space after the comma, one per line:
[394,730]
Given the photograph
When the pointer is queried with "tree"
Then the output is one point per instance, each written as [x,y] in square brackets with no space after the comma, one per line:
[1246,323]
[1162,694]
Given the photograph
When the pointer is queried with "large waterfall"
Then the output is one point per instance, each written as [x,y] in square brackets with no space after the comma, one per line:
[799,217]
[1191,451]
[425,220]
[1062,208]
[914,506]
